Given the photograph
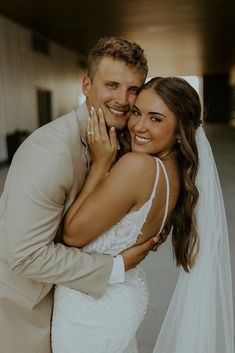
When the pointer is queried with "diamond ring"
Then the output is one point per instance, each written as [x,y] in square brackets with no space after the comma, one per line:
[90,132]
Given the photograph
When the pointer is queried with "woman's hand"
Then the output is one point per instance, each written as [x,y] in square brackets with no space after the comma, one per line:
[103,145]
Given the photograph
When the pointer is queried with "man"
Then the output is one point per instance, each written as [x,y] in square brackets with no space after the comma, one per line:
[46,174]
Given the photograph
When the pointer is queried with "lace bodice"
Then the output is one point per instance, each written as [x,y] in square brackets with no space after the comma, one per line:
[124,234]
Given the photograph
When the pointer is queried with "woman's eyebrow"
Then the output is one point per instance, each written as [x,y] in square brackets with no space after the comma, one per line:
[157,113]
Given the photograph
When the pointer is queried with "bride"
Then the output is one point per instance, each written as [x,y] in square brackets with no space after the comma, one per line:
[168,180]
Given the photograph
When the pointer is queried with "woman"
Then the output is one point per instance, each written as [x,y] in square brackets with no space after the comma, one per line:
[148,189]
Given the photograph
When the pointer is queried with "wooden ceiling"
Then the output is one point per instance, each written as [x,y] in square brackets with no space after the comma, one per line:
[180,37]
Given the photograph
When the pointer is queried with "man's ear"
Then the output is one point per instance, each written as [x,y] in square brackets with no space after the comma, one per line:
[86,85]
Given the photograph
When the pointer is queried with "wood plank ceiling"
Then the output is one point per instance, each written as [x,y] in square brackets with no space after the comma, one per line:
[180,37]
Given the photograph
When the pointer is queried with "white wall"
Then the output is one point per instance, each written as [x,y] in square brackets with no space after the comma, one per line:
[23,71]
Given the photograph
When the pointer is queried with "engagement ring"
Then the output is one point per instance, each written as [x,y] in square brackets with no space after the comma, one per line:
[90,132]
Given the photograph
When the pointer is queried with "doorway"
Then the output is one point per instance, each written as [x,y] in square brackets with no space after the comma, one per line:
[44,106]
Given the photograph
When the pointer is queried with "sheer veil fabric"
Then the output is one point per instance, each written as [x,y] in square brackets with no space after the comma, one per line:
[200,316]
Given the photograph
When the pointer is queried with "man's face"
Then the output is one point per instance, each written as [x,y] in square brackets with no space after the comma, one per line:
[114,88]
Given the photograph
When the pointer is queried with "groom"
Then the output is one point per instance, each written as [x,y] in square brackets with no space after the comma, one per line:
[46,174]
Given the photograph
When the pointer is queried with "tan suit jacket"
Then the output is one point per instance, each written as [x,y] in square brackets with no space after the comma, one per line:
[47,172]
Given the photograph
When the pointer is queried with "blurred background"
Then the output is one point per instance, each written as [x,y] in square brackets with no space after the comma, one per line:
[43,56]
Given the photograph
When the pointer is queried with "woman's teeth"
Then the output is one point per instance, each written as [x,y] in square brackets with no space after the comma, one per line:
[142,139]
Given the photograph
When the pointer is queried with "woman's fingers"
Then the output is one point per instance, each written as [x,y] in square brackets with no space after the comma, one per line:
[90,131]
[102,125]
[113,138]
[107,137]
[102,144]
[97,130]
[99,126]
[94,119]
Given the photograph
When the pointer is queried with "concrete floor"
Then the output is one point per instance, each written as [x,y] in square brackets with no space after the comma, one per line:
[159,267]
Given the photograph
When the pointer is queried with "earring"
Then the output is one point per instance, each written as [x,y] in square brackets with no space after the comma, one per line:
[179,140]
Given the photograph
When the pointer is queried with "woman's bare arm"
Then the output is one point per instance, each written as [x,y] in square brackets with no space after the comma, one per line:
[111,200]
[103,148]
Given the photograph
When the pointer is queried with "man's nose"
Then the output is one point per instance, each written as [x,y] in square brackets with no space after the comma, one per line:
[122,97]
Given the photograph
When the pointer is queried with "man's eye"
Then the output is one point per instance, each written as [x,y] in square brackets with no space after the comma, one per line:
[134,90]
[111,85]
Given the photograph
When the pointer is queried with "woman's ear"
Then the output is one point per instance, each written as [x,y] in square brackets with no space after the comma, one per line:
[178,138]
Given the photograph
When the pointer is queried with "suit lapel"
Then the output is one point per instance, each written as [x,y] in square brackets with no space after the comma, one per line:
[82,161]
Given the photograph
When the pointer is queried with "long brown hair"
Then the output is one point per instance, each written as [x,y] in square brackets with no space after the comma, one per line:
[182,99]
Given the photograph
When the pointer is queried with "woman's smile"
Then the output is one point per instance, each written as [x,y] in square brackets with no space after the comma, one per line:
[141,140]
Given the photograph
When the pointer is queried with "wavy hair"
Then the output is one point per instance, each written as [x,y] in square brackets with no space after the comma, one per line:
[182,99]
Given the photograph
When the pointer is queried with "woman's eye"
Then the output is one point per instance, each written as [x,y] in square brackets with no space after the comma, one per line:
[155,119]
[135,113]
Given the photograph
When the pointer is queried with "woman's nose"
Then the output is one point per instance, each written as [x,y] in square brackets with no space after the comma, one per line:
[140,125]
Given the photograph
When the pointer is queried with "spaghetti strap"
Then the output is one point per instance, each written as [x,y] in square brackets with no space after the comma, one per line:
[156,180]
[144,209]
[167,193]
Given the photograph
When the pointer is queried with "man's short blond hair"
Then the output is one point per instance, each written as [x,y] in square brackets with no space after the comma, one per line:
[117,48]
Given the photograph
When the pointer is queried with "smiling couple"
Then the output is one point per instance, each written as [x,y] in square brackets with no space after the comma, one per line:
[113,210]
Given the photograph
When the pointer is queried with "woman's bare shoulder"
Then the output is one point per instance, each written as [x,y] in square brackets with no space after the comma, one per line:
[135,170]
[136,161]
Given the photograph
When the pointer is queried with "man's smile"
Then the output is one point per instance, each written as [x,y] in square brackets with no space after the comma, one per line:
[117,112]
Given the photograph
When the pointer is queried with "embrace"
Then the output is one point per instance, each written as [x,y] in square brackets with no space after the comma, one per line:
[89,195]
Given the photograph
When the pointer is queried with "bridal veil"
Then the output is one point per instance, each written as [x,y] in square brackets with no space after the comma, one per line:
[200,316]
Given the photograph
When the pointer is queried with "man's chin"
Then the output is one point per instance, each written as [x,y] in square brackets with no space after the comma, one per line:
[119,125]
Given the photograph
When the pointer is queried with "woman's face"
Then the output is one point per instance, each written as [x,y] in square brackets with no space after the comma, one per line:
[152,125]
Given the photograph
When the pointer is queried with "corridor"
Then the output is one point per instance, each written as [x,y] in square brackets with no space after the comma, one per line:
[159,267]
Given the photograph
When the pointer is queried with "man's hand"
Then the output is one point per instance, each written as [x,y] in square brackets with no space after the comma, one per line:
[136,254]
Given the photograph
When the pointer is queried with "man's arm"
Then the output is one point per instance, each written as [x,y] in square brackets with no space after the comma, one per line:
[39,179]
[32,212]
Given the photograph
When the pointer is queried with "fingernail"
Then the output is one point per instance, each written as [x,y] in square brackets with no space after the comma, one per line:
[92,109]
[112,128]
[155,239]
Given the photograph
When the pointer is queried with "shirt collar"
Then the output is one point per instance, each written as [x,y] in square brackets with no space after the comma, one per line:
[82,116]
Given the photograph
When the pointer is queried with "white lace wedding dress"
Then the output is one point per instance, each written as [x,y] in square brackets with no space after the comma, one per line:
[83,324]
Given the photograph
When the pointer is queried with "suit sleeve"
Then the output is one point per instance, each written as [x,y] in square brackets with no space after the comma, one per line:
[38,181]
